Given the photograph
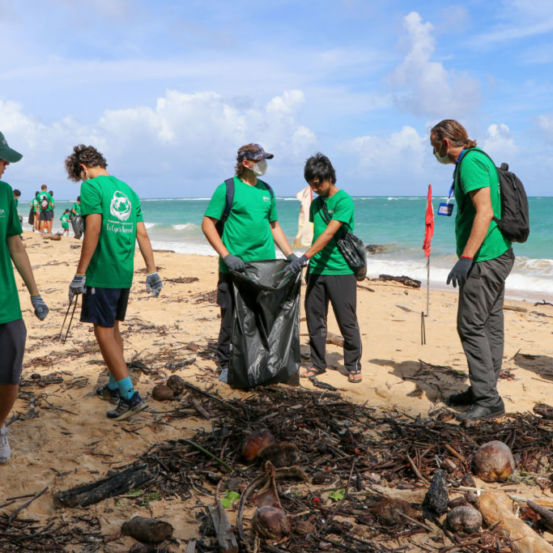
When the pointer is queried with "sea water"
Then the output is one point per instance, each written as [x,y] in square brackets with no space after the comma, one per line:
[395,223]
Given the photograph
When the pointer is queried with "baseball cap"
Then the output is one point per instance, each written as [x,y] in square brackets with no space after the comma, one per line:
[253,152]
[6,153]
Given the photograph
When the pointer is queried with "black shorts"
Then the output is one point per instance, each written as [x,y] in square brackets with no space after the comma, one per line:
[46,215]
[12,346]
[104,306]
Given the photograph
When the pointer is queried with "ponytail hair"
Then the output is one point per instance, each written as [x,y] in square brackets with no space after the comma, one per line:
[454,131]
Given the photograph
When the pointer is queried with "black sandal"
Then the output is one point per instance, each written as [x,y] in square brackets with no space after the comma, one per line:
[355,376]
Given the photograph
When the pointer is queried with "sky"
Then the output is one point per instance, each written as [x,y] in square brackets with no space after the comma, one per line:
[168,90]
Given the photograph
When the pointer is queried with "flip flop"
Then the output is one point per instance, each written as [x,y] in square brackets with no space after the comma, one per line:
[311,373]
[355,377]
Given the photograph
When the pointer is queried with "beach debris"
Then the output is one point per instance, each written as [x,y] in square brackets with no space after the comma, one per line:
[119,483]
[143,548]
[405,280]
[334,339]
[390,511]
[162,392]
[497,509]
[255,443]
[374,248]
[546,515]
[56,236]
[493,462]
[223,529]
[543,410]
[282,454]
[464,518]
[176,383]
[271,522]
[516,308]
[147,530]
[436,499]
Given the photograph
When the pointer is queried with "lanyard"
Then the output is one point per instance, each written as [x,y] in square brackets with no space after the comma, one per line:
[452,189]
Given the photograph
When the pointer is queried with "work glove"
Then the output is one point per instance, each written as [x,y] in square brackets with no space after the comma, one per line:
[292,257]
[296,265]
[77,286]
[41,309]
[234,263]
[460,272]
[154,284]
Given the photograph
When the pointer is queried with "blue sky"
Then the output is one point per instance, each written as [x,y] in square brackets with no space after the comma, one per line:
[168,90]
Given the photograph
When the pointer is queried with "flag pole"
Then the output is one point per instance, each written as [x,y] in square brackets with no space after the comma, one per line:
[427,286]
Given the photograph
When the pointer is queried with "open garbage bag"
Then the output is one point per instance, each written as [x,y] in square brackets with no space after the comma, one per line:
[265,344]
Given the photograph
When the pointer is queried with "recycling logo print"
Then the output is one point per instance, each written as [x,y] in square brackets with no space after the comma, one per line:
[120,206]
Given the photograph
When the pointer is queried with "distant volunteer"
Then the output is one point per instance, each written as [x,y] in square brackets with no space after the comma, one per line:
[64,219]
[329,277]
[113,224]
[13,333]
[46,215]
[249,233]
[485,261]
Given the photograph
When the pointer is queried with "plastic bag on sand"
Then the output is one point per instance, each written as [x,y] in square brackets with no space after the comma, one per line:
[266,328]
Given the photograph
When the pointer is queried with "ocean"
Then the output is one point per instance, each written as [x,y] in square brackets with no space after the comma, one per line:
[395,223]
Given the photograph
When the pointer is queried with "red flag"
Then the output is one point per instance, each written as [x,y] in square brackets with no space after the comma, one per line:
[429,223]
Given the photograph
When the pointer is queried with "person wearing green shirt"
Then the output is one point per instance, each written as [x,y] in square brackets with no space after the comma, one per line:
[113,225]
[485,261]
[76,219]
[65,222]
[13,333]
[249,234]
[35,205]
[329,277]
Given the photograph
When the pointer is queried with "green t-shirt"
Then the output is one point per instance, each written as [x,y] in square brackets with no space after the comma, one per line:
[477,171]
[76,208]
[329,261]
[247,232]
[45,196]
[65,220]
[9,226]
[112,264]
[36,203]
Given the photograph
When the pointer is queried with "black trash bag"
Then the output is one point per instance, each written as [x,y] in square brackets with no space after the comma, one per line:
[78,225]
[265,343]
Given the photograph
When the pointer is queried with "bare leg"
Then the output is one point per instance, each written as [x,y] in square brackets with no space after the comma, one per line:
[111,346]
[8,395]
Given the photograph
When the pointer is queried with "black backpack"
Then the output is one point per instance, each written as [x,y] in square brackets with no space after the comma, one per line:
[220,224]
[515,216]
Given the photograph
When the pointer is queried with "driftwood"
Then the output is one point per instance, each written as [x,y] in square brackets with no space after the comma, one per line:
[225,536]
[545,514]
[515,308]
[405,280]
[119,483]
[334,339]
[497,509]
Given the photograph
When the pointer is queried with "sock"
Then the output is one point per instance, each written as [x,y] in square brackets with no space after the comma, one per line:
[125,388]
[112,384]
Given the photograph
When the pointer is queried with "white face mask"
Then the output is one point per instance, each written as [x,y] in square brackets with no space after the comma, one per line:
[442,159]
[260,167]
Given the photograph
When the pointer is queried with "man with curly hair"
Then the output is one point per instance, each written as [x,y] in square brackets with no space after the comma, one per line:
[113,223]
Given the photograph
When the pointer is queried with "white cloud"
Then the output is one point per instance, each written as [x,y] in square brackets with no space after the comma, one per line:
[426,87]
[181,139]
[499,142]
[545,125]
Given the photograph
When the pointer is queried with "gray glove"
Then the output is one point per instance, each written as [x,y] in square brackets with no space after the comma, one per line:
[77,286]
[41,309]
[296,265]
[460,272]
[234,263]
[154,284]
[292,257]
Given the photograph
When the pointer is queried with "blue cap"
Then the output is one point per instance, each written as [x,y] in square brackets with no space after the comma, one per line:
[253,152]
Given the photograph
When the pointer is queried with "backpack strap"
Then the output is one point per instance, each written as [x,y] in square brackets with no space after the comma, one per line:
[268,188]
[229,199]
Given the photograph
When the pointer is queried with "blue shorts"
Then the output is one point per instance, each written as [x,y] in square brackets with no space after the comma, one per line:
[104,306]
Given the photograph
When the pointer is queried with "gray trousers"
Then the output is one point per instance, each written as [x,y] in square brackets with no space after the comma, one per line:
[480,325]
[341,291]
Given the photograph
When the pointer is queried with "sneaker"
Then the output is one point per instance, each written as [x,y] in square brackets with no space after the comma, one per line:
[5,449]
[462,399]
[127,407]
[105,393]
[479,412]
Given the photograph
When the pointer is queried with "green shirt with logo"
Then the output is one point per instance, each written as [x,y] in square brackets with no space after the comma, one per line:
[45,196]
[36,204]
[9,226]
[65,220]
[76,208]
[247,231]
[329,261]
[474,172]
[112,264]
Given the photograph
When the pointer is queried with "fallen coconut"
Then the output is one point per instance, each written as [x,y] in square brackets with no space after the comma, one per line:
[255,443]
[493,462]
[464,518]
[148,530]
[271,522]
[176,383]
[283,454]
[162,392]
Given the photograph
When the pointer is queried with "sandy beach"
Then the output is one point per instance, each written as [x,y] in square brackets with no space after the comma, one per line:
[70,441]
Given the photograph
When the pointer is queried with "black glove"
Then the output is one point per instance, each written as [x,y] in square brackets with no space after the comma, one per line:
[41,309]
[292,257]
[153,284]
[77,286]
[296,265]
[234,263]
[460,272]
